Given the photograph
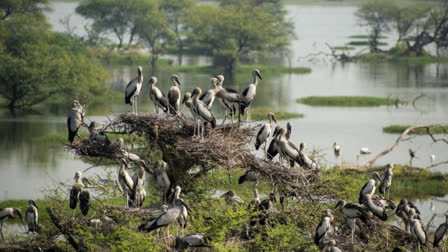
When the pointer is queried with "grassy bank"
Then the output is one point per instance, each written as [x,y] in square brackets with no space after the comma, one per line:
[413,60]
[242,69]
[398,129]
[260,113]
[346,101]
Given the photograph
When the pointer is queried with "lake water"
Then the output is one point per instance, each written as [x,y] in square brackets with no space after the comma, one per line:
[27,166]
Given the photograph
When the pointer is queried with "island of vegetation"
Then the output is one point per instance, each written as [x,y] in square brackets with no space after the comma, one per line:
[348,101]
[398,129]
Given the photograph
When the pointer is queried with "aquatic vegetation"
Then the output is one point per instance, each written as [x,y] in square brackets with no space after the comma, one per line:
[398,129]
[259,113]
[347,101]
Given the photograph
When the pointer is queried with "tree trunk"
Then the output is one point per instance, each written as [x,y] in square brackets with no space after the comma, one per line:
[12,106]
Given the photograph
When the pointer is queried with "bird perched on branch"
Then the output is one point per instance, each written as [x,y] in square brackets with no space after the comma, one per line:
[76,189]
[306,161]
[330,246]
[75,119]
[32,216]
[126,182]
[229,98]
[189,103]
[249,94]
[97,137]
[8,213]
[403,210]
[263,134]
[352,211]
[157,97]
[417,229]
[133,90]
[84,197]
[174,95]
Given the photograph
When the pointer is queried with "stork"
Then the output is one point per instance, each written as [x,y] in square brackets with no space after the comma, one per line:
[145,226]
[157,97]
[203,113]
[174,95]
[125,180]
[184,213]
[97,137]
[232,198]
[266,207]
[273,146]
[330,246]
[249,94]
[287,150]
[129,155]
[364,151]
[139,192]
[74,192]
[403,210]
[386,180]
[164,220]
[336,149]
[189,102]
[256,201]
[377,210]
[323,227]
[250,176]
[359,229]
[352,211]
[162,181]
[307,162]
[440,234]
[8,213]
[229,106]
[193,240]
[32,216]
[264,133]
[84,197]
[417,229]
[75,120]
[209,97]
[133,90]
[229,98]
[369,187]
[432,157]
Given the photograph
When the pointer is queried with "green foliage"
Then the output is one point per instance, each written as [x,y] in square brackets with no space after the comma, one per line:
[36,64]
[11,8]
[238,28]
[364,37]
[398,129]
[364,43]
[346,101]
[259,113]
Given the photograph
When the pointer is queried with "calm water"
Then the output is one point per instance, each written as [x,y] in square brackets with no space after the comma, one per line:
[28,165]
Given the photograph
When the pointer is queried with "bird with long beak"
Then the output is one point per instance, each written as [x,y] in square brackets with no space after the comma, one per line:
[8,213]
[174,95]
[264,133]
[249,94]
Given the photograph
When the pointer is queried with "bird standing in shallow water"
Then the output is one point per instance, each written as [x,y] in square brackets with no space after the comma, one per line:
[133,90]
[32,216]
[336,149]
[264,133]
[174,95]
[249,94]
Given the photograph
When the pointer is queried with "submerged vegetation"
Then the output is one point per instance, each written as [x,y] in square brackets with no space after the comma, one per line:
[398,129]
[347,101]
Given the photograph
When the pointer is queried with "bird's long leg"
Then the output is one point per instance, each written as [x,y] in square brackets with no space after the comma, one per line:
[136,104]
[266,150]
[1,232]
[225,117]
[353,229]
[202,134]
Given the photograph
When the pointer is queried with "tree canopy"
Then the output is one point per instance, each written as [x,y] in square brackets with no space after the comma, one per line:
[36,64]
[11,8]
[237,28]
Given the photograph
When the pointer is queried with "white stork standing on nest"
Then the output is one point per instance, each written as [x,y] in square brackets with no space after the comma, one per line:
[264,133]
[174,95]
[133,90]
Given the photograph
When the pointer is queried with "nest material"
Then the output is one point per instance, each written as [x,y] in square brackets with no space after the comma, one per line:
[226,146]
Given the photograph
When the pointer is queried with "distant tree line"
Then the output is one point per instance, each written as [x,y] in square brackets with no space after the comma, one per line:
[227,30]
[417,24]
[37,64]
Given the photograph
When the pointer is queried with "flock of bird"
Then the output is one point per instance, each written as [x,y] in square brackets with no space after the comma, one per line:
[369,206]
[177,211]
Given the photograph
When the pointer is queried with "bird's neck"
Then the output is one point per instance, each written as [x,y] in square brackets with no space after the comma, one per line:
[255,80]
[140,77]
